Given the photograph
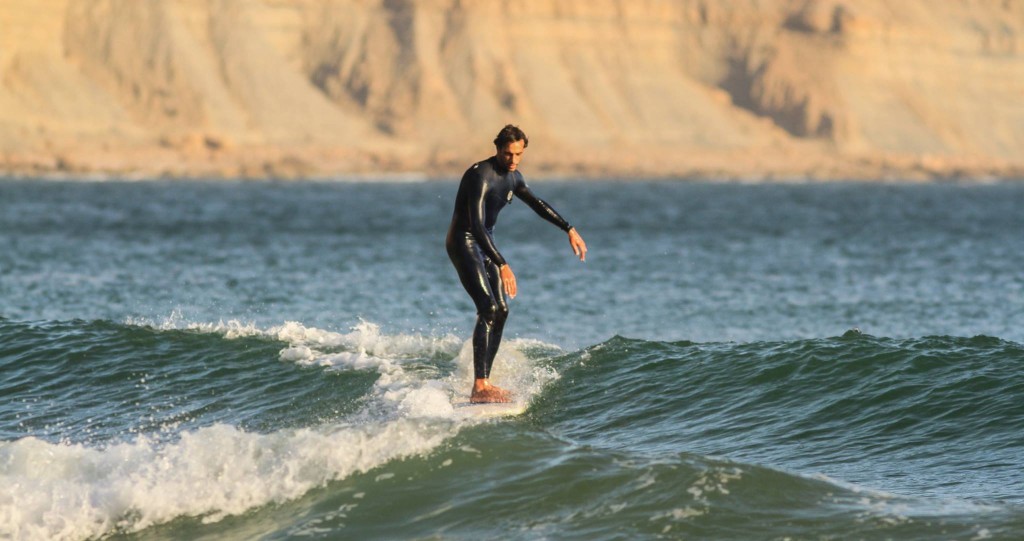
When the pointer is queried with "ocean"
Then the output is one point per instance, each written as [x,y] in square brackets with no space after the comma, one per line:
[221,360]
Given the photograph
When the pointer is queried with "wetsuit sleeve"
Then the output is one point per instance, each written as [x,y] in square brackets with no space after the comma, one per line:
[540,206]
[477,207]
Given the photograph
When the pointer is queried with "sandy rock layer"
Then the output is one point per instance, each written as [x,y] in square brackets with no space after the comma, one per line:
[750,89]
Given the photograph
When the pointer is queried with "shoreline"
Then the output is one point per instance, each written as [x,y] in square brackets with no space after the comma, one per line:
[415,177]
[760,166]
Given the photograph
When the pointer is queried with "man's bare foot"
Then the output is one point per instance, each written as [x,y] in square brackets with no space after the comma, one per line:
[490,396]
[485,393]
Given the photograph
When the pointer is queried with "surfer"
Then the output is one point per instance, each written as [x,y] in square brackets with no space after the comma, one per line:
[486,188]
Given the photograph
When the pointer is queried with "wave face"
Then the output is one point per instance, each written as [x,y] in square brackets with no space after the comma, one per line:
[133,426]
[855,407]
[230,431]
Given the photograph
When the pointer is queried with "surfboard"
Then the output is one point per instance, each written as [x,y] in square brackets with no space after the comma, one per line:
[468,410]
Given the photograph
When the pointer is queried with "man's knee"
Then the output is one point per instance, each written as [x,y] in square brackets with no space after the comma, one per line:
[494,313]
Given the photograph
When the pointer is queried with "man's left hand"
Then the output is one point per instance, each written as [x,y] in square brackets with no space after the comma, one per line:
[578,246]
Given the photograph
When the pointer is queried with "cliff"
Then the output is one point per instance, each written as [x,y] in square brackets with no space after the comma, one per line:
[724,88]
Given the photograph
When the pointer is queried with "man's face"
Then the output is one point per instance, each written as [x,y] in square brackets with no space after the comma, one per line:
[510,154]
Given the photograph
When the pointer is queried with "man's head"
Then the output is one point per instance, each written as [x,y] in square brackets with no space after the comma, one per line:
[509,146]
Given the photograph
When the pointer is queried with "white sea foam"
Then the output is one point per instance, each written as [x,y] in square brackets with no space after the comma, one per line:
[365,347]
[73,491]
[58,491]
[365,338]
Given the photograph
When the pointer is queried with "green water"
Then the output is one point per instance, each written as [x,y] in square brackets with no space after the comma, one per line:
[278,361]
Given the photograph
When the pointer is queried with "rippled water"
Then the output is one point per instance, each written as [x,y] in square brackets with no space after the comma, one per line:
[192,360]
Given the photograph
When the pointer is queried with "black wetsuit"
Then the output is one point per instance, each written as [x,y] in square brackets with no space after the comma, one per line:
[485,190]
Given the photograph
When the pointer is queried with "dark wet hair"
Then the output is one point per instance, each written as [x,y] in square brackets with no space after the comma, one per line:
[510,134]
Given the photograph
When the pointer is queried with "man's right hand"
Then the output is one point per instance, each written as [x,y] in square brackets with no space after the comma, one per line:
[508,280]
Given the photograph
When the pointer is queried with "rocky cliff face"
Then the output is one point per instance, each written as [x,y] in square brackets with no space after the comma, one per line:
[747,88]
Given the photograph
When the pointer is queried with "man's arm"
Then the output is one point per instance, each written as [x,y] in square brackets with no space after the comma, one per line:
[541,207]
[547,212]
[475,201]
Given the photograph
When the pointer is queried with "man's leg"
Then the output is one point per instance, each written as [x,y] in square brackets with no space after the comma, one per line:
[498,315]
[491,312]
[491,315]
